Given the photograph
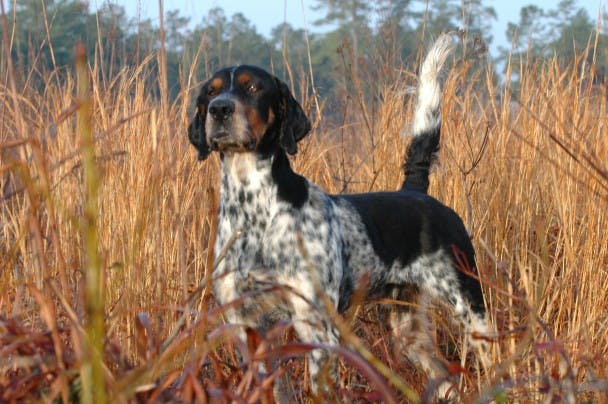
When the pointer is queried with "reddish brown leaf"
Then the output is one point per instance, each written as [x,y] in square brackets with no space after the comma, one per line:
[454,368]
[146,343]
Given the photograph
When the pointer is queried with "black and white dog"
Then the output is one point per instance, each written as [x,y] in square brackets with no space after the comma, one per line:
[296,235]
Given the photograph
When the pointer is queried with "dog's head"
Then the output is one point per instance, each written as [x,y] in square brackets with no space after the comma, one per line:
[245,109]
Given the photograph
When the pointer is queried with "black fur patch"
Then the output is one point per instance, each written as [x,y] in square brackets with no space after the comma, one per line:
[419,158]
[292,188]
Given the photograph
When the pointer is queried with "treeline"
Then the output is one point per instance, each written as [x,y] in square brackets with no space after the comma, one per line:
[42,34]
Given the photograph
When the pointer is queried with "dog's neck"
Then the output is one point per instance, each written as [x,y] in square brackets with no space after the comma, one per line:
[245,171]
[247,188]
[255,181]
[255,188]
[246,195]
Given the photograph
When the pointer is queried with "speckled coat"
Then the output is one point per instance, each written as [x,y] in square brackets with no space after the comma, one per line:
[298,247]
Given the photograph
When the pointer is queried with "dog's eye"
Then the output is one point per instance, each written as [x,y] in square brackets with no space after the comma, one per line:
[213,91]
[253,88]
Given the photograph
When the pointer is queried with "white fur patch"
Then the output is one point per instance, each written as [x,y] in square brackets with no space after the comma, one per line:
[242,167]
[427,114]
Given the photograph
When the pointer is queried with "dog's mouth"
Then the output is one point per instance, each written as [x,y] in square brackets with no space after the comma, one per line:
[223,141]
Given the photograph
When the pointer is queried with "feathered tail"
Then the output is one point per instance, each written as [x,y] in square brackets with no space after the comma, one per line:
[426,125]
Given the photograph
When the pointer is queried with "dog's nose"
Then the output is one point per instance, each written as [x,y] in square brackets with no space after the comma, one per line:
[221,109]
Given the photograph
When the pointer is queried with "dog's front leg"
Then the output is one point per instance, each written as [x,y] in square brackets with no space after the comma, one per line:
[313,326]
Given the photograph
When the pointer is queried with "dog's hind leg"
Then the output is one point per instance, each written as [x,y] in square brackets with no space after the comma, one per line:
[436,276]
[412,337]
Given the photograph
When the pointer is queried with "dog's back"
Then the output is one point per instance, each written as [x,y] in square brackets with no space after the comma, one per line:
[409,226]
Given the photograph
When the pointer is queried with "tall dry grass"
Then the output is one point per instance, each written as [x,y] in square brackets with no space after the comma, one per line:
[526,169]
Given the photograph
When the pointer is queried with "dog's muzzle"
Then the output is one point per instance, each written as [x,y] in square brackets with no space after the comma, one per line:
[221,109]
[222,135]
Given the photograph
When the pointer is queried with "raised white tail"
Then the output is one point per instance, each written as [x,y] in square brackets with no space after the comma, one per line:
[426,125]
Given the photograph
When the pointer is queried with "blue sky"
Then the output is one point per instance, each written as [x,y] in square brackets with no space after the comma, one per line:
[267,14]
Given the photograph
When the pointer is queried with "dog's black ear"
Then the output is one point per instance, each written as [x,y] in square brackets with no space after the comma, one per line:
[197,135]
[294,123]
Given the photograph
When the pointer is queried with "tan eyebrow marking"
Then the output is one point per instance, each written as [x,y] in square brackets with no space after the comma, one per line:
[216,83]
[244,79]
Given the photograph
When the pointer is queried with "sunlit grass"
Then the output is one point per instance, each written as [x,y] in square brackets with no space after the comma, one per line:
[526,170]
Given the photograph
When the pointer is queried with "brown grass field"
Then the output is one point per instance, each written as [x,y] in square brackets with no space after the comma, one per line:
[106,217]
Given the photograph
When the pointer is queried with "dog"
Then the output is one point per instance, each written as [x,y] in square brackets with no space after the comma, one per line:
[277,228]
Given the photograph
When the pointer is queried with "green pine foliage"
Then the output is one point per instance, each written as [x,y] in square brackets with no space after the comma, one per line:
[356,30]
